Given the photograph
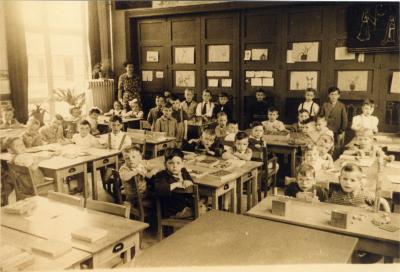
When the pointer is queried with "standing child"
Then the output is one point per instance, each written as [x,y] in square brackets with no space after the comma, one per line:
[325,146]
[273,124]
[189,105]
[205,108]
[241,150]
[231,130]
[305,185]
[166,123]
[175,176]
[259,110]
[221,129]
[116,110]
[207,143]
[309,103]
[31,137]
[53,132]
[84,139]
[7,118]
[156,112]
[93,118]
[135,111]
[116,139]
[223,106]
[366,119]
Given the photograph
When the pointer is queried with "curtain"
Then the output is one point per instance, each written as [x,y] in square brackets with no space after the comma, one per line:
[17,58]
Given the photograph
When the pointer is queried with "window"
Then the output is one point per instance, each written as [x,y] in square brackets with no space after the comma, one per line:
[57,50]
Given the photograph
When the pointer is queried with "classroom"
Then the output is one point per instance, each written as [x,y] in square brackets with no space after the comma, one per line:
[182,134]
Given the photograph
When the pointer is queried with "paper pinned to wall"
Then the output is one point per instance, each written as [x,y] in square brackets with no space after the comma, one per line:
[341,53]
[152,56]
[395,86]
[184,55]
[159,74]
[289,56]
[249,73]
[247,54]
[218,53]
[212,82]
[226,82]
[147,75]
[361,57]
[215,73]
[256,81]
[259,54]
[268,82]
[185,78]
[266,73]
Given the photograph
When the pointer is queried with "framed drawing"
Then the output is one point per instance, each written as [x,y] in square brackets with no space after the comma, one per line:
[184,55]
[305,52]
[301,80]
[352,81]
[395,86]
[152,56]
[185,79]
[259,54]
[218,53]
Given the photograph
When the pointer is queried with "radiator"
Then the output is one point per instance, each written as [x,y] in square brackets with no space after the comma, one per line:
[100,94]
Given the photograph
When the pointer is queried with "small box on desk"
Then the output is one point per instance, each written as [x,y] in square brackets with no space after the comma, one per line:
[339,219]
[280,206]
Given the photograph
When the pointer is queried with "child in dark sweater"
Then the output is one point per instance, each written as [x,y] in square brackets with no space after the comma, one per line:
[258,111]
[208,143]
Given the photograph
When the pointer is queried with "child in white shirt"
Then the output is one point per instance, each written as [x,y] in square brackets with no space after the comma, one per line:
[309,104]
[84,138]
[116,139]
[93,119]
[366,119]
[116,110]
[273,124]
[325,146]
[135,111]
[231,131]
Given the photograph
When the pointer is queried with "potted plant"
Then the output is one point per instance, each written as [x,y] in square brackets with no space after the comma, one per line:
[38,113]
[67,95]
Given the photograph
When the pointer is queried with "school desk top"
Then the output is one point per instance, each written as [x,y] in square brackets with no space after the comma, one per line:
[104,120]
[42,262]
[150,139]
[221,238]
[208,180]
[56,220]
[317,216]
[63,161]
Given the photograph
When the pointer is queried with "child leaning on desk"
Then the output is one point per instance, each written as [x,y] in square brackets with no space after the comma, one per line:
[366,119]
[273,124]
[221,130]
[208,143]
[7,118]
[31,136]
[83,138]
[116,139]
[325,147]
[240,150]
[53,132]
[93,119]
[116,110]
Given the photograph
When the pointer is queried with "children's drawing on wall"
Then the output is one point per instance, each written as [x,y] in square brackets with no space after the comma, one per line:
[305,52]
[352,81]
[218,53]
[395,85]
[185,79]
[184,55]
[301,80]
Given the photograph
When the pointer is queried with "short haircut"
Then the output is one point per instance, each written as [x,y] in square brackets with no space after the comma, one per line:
[260,91]
[333,89]
[130,149]
[206,91]
[368,102]
[351,167]
[94,110]
[241,135]
[33,121]
[116,118]
[117,101]
[74,108]
[311,90]
[58,117]
[303,111]
[167,105]
[85,123]
[221,114]
[233,122]
[189,90]
[305,169]
[175,97]
[160,96]
[223,94]
[307,121]
[170,153]
[256,124]
[127,62]
[365,132]
[209,131]
[273,109]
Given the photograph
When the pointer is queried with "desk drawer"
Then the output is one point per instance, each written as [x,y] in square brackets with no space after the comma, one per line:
[104,162]
[72,170]
[112,253]
[249,175]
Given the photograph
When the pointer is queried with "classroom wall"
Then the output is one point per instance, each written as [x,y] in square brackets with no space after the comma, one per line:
[4,82]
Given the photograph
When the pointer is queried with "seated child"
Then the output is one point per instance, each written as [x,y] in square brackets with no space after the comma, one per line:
[207,143]
[305,184]
[309,104]
[223,106]
[351,191]
[181,119]
[116,110]
[31,136]
[321,128]
[366,119]
[273,124]
[175,176]
[71,124]
[221,129]
[189,105]
[303,117]
[231,131]
[241,150]
[135,111]
[156,112]
[93,119]
[325,147]
[166,123]
[53,132]
[311,156]
[116,139]
[84,139]
[205,109]
[7,118]
[75,114]
[256,142]
[258,111]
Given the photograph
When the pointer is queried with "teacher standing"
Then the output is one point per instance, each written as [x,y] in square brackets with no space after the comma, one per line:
[130,83]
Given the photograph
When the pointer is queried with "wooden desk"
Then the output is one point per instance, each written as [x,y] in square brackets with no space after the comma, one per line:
[73,259]
[317,216]
[56,220]
[156,144]
[220,238]
[127,122]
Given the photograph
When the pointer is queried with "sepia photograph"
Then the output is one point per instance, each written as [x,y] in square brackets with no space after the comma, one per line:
[199,135]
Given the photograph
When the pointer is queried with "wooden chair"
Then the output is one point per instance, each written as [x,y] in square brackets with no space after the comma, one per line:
[268,174]
[396,202]
[110,208]
[174,222]
[29,182]
[144,125]
[65,198]
[112,185]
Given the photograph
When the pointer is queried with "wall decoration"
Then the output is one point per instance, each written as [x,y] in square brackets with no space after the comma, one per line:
[259,54]
[215,73]
[226,82]
[255,81]
[301,80]
[342,53]
[289,56]
[147,75]
[152,56]
[395,86]
[250,73]
[267,82]
[305,52]
[373,27]
[212,82]
[352,81]
[185,79]
[247,54]
[218,53]
[159,74]
[184,55]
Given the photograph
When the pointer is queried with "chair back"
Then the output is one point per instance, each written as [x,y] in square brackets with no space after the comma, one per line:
[110,208]
[135,198]
[65,198]
[23,180]
[145,125]
[396,202]
[112,185]
[270,172]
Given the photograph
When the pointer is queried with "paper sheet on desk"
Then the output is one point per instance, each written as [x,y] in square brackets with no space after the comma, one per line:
[394,178]
[394,164]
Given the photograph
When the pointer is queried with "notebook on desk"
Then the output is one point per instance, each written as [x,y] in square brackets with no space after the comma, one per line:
[89,234]
[51,248]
